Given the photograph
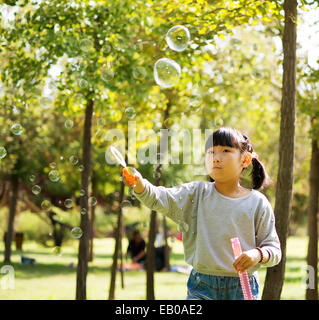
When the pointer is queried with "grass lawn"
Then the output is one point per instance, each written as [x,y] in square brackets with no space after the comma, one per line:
[53,279]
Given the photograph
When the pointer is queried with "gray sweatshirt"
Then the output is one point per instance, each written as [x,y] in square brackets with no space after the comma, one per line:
[208,220]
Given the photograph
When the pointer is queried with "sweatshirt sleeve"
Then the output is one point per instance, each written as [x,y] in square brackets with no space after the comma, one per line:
[266,235]
[173,202]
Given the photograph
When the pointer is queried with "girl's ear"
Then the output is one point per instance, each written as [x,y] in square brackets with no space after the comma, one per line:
[247,159]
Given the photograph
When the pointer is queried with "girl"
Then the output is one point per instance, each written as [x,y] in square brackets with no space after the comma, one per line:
[211,213]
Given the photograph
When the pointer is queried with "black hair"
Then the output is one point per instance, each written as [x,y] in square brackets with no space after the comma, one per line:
[233,138]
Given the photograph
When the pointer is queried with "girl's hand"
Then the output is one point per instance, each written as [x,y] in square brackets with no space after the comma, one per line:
[139,185]
[247,260]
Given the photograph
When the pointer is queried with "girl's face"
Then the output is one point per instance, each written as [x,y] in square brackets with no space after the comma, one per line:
[225,163]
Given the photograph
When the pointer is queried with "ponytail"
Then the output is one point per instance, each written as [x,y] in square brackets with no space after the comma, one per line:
[260,178]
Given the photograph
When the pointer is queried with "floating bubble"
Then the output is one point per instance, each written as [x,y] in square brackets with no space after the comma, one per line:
[74,160]
[107,48]
[16,129]
[3,152]
[130,112]
[82,192]
[46,205]
[168,123]
[83,83]
[54,175]
[92,201]
[68,203]
[57,251]
[52,165]
[177,38]
[139,73]
[83,211]
[166,72]
[219,122]
[125,204]
[77,232]
[81,167]
[156,175]
[31,177]
[101,122]
[132,194]
[68,124]
[183,227]
[115,115]
[36,189]
[107,75]
[195,104]
[86,45]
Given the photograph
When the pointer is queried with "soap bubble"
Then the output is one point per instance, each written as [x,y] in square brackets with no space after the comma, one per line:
[36,189]
[177,38]
[92,201]
[74,160]
[82,192]
[166,72]
[107,48]
[83,83]
[183,227]
[69,124]
[168,123]
[46,205]
[77,232]
[156,175]
[139,73]
[52,165]
[3,152]
[54,175]
[115,115]
[130,112]
[68,203]
[219,122]
[83,211]
[107,75]
[57,251]
[125,204]
[32,177]
[86,45]
[16,129]
[81,167]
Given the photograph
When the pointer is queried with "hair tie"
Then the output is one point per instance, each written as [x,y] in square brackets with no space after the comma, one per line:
[254,155]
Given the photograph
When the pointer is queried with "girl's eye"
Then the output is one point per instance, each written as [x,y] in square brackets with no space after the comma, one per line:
[226,150]
[210,152]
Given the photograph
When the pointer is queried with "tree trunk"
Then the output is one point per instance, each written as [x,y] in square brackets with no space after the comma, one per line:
[12,212]
[83,254]
[92,230]
[166,247]
[150,258]
[275,275]
[118,239]
[121,254]
[312,256]
[92,221]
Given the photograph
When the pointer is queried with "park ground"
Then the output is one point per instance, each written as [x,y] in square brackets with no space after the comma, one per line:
[53,277]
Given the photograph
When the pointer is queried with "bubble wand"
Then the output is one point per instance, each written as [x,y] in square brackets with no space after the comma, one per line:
[127,171]
[243,276]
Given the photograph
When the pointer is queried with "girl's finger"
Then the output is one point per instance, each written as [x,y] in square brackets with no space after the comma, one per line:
[240,262]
